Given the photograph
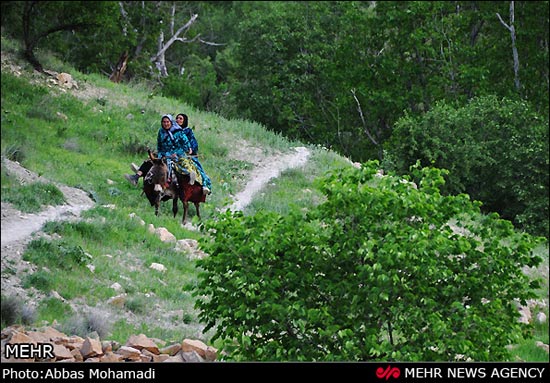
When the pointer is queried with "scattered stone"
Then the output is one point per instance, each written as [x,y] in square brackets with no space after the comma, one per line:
[171,350]
[545,347]
[158,266]
[118,300]
[194,345]
[141,342]
[138,348]
[191,356]
[165,235]
[91,348]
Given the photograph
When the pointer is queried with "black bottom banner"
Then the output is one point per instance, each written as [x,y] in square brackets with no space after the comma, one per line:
[364,372]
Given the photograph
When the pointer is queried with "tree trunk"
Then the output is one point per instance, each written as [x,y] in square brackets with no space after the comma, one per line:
[31,58]
[28,40]
[158,59]
[120,68]
[512,30]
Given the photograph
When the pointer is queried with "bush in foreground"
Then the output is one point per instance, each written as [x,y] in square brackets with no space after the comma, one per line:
[383,270]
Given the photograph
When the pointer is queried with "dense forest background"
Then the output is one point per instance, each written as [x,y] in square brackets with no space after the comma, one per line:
[462,85]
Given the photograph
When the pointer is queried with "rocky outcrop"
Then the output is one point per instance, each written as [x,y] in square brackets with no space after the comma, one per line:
[138,348]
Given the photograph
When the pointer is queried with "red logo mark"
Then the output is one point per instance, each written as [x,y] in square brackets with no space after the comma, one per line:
[389,372]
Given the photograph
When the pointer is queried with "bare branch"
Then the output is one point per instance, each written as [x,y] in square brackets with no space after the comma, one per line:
[515,55]
[503,23]
[185,40]
[172,18]
[211,43]
[197,37]
[363,118]
[174,37]
[124,15]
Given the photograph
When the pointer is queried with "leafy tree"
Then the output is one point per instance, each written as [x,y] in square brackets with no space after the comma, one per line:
[195,85]
[333,73]
[39,20]
[496,151]
[383,270]
[297,64]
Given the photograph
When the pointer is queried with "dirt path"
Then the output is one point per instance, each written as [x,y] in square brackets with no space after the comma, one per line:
[266,169]
[18,228]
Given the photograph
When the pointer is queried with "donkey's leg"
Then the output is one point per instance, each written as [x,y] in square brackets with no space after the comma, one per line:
[175,206]
[185,209]
[198,210]
[157,204]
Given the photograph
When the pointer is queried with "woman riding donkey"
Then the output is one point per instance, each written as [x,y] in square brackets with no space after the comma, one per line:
[173,145]
[183,122]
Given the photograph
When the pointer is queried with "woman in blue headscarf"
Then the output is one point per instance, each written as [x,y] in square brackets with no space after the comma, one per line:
[183,122]
[172,144]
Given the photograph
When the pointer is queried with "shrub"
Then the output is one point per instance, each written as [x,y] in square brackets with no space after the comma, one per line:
[13,311]
[88,323]
[496,151]
[383,270]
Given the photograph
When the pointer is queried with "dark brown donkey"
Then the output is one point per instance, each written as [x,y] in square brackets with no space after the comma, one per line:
[155,184]
[157,188]
[186,193]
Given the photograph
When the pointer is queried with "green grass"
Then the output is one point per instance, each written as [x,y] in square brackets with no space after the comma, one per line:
[295,186]
[527,350]
[87,140]
[33,197]
[52,309]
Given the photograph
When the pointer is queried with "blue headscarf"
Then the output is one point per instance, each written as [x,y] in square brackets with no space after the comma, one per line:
[173,129]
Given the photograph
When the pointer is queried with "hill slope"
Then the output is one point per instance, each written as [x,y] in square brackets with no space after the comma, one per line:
[86,131]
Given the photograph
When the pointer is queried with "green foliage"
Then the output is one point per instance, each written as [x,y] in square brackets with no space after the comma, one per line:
[496,151]
[40,280]
[88,151]
[396,56]
[58,255]
[195,86]
[41,23]
[51,309]
[415,285]
[292,65]
[295,43]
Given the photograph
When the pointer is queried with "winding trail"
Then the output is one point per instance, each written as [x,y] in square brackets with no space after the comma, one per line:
[17,228]
[266,169]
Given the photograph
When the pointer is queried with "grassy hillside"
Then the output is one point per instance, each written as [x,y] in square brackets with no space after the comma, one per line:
[86,138]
